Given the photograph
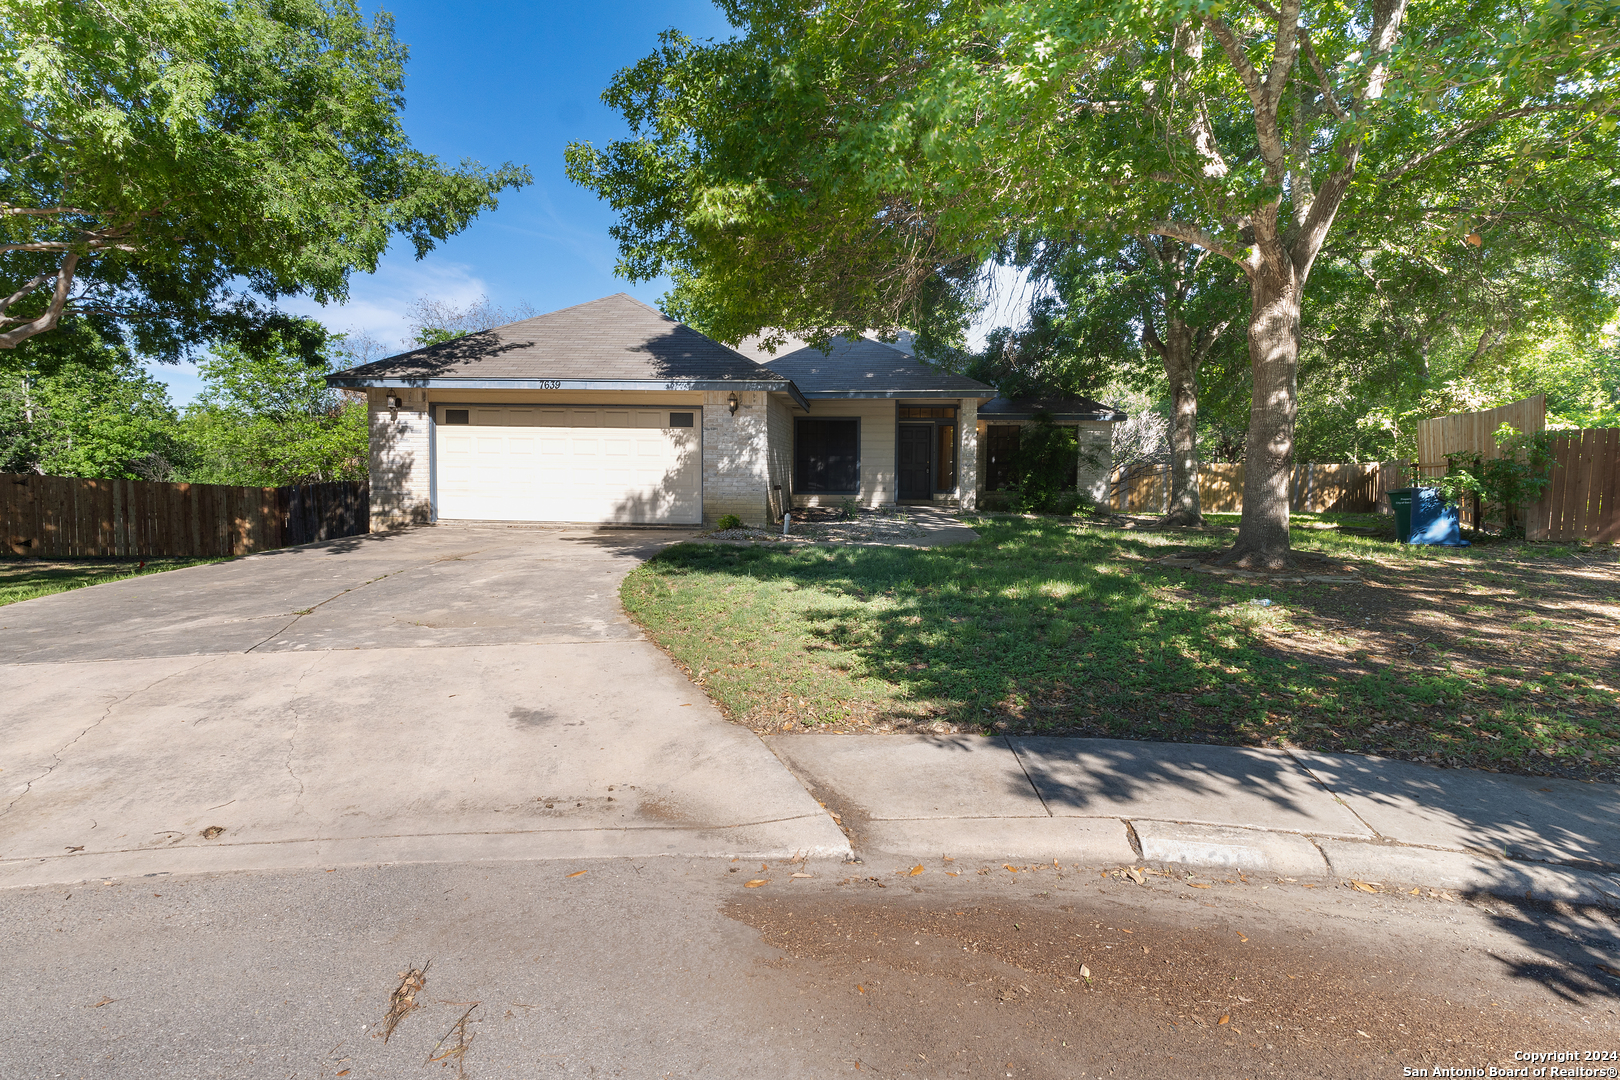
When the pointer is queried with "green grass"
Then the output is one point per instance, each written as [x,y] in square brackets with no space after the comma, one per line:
[1492,656]
[27,579]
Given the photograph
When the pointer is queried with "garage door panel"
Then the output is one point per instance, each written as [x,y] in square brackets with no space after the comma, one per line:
[535,463]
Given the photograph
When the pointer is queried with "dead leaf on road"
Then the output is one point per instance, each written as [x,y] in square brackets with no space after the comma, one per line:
[1195,885]
[915,870]
[403,1000]
[1362,885]
[1085,972]
[109,1001]
[1223,1020]
[757,882]
[1135,875]
[803,875]
[577,873]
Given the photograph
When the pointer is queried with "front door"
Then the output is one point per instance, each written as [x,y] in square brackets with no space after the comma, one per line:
[916,461]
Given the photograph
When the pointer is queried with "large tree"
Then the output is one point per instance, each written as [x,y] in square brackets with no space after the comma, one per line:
[1108,302]
[175,165]
[832,155]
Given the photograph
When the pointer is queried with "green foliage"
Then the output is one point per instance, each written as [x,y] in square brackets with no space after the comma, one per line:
[1503,484]
[1045,467]
[849,509]
[28,579]
[74,404]
[728,521]
[266,418]
[160,156]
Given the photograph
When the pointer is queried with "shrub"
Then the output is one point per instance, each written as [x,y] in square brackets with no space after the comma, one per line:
[1506,483]
[848,509]
[728,521]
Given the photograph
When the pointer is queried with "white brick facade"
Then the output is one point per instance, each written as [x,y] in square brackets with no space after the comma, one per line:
[400,473]
[967,455]
[736,473]
[1096,440]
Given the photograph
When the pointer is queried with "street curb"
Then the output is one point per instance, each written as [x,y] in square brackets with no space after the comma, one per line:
[1229,848]
[1463,872]
[1210,848]
[1092,841]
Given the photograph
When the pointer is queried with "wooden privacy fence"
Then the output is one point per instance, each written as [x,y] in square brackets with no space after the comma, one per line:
[1582,501]
[1475,432]
[1313,488]
[60,517]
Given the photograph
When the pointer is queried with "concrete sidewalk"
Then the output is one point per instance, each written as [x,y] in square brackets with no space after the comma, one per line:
[1298,815]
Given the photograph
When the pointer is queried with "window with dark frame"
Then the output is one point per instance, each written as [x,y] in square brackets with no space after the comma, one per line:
[680,419]
[456,416]
[827,456]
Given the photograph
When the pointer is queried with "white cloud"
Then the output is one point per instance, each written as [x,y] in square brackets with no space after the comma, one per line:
[377,302]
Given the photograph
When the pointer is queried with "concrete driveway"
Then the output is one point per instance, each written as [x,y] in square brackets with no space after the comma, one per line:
[442,694]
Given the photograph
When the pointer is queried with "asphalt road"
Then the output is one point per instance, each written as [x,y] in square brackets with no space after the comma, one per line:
[673,967]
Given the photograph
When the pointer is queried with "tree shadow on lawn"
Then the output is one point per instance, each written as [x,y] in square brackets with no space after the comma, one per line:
[1047,627]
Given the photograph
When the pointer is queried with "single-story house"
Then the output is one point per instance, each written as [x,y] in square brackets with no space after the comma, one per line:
[610,411]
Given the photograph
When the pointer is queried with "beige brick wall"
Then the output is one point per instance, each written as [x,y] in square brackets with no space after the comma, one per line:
[779,416]
[1097,437]
[967,455]
[399,459]
[736,476]
[878,477]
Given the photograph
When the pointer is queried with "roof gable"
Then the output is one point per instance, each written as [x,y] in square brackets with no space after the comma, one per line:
[614,339]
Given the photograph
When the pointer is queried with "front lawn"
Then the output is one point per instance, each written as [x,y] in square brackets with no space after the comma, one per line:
[25,579]
[1500,656]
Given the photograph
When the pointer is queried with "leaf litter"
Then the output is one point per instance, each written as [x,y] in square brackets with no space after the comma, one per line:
[402,1002]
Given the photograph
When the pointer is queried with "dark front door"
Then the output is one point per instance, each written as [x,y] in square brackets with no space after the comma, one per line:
[916,461]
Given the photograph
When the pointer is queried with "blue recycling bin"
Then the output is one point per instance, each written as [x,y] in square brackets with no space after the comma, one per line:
[1433,521]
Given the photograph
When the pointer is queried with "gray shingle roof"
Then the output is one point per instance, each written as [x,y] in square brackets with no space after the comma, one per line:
[1061,409]
[616,338]
[861,367]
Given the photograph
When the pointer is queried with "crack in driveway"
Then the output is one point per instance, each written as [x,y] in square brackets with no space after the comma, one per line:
[292,739]
[288,625]
[56,757]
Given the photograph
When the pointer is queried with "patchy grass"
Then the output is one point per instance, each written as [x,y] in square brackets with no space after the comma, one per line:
[1501,656]
[25,579]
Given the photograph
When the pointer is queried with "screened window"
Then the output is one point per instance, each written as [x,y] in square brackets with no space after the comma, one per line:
[680,419]
[827,456]
[456,416]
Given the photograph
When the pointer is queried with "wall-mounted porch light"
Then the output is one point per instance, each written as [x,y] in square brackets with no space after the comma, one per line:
[394,402]
[731,403]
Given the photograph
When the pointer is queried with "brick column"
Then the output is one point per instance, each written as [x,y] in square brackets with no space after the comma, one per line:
[399,459]
[736,475]
[967,455]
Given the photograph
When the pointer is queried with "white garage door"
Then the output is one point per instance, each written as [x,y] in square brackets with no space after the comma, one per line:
[554,463]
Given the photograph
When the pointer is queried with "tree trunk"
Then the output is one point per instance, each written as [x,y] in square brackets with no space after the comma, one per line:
[1268,463]
[1182,371]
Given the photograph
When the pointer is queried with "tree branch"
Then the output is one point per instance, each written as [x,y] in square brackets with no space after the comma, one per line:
[53,313]
[1459,134]
[1200,237]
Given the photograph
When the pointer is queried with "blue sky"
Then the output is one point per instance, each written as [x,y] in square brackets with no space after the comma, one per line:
[497,81]
[501,82]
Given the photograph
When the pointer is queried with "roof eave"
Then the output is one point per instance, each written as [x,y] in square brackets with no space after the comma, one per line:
[1059,417]
[348,381]
[840,395]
